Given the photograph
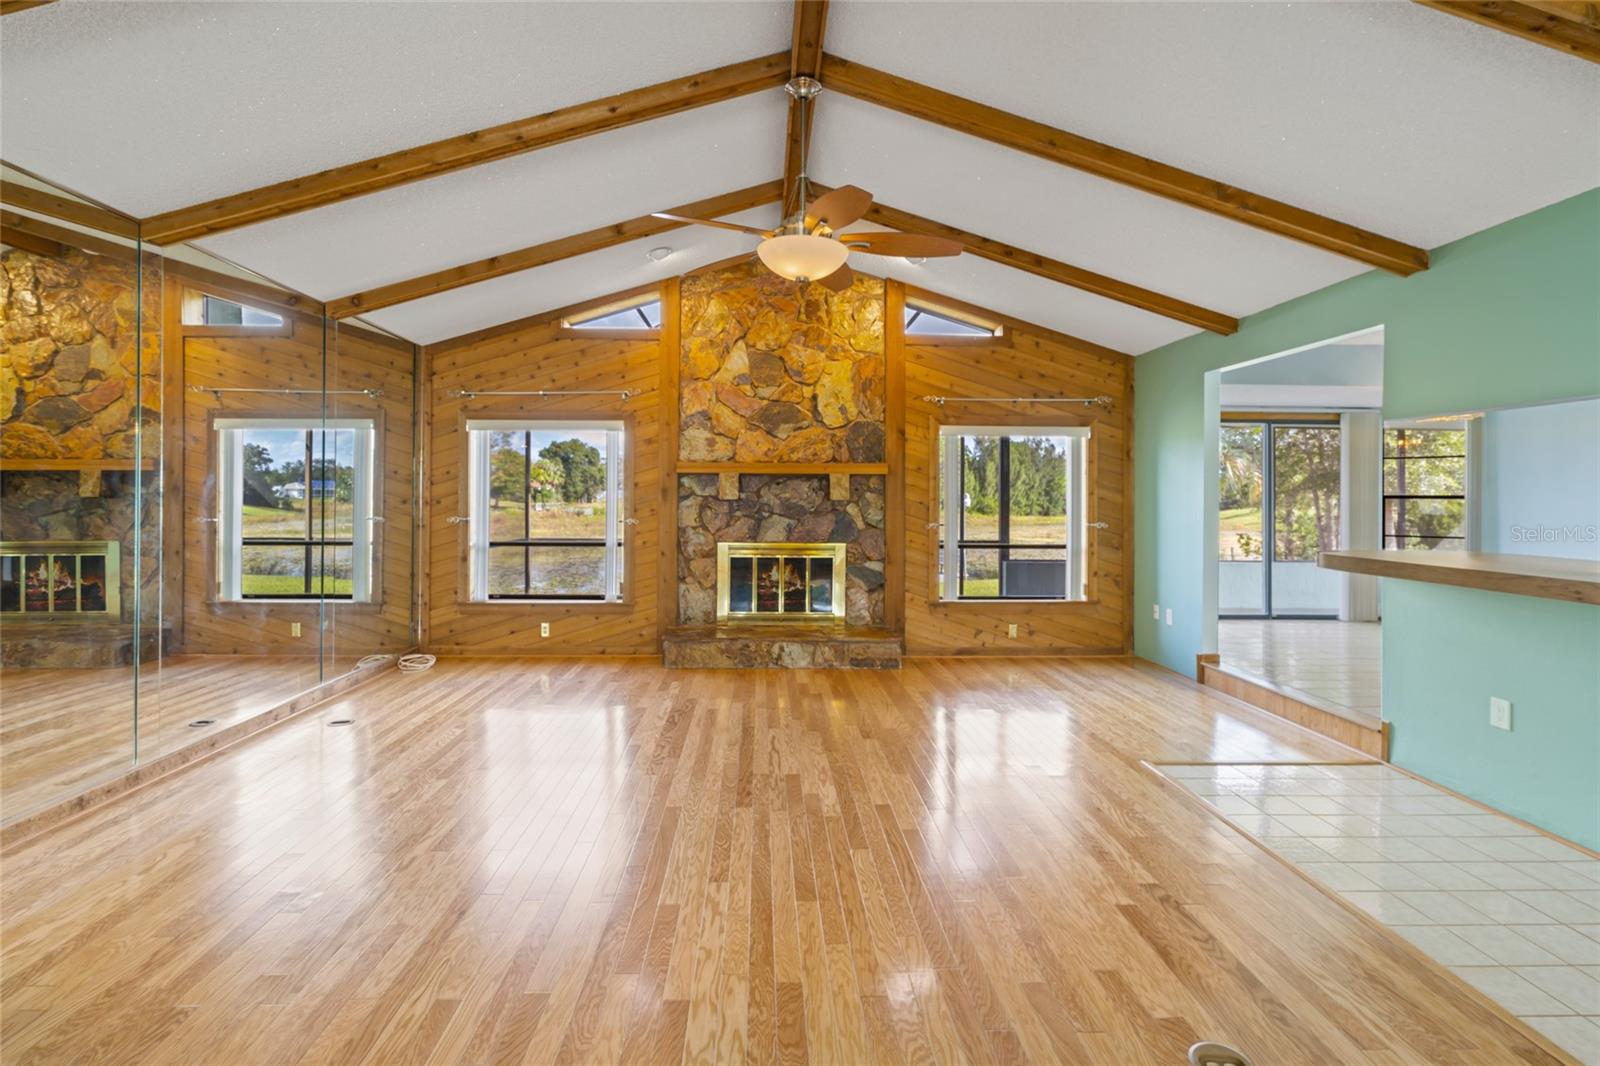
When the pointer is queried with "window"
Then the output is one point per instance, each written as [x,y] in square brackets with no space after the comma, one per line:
[296,508]
[1425,487]
[546,510]
[201,309]
[1014,505]
[925,322]
[1279,497]
[645,315]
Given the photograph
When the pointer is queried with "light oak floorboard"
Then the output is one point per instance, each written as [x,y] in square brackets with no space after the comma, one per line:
[600,860]
[62,730]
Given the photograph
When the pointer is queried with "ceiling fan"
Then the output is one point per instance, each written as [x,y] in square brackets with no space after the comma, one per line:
[808,245]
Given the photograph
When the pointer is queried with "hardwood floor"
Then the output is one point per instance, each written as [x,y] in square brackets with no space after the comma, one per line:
[605,861]
[62,730]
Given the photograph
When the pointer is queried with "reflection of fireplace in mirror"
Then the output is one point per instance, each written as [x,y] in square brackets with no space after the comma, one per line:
[57,579]
[780,582]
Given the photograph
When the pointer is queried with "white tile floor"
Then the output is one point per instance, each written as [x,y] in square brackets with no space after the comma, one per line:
[1335,663]
[1515,913]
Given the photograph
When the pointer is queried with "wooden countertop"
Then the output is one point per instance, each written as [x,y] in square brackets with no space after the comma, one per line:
[1575,580]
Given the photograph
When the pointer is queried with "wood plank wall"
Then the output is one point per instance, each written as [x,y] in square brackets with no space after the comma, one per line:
[539,354]
[1026,361]
[292,359]
[532,355]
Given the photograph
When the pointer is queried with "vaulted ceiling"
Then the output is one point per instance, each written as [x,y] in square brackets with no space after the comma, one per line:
[1388,124]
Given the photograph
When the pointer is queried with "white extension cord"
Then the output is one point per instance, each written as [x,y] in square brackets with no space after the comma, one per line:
[409,664]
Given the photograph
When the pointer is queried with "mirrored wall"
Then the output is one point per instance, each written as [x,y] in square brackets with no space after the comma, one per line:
[207,503]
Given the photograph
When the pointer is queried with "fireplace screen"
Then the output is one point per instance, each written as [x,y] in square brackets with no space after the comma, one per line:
[60,579]
[789,582]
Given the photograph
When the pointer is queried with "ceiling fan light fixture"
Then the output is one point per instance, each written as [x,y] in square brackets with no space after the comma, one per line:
[802,256]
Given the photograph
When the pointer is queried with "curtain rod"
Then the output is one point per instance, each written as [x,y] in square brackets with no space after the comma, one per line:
[218,391]
[1093,401]
[468,394]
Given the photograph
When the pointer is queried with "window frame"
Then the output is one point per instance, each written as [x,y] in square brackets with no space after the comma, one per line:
[570,324]
[618,578]
[949,466]
[193,303]
[228,468]
[996,332]
[1464,541]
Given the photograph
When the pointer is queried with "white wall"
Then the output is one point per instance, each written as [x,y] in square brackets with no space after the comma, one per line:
[1541,480]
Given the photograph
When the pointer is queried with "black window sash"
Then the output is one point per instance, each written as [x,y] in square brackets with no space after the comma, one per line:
[1003,542]
[528,541]
[310,542]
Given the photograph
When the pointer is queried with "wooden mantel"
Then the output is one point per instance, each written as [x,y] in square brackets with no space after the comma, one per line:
[734,467]
[1574,580]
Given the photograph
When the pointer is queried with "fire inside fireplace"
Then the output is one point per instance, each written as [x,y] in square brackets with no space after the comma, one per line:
[60,579]
[780,582]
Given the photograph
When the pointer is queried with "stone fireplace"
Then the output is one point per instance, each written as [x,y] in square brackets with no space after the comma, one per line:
[79,384]
[844,510]
[782,463]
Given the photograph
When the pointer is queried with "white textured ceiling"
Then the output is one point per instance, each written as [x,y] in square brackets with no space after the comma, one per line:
[1041,207]
[151,106]
[524,200]
[1386,115]
[562,284]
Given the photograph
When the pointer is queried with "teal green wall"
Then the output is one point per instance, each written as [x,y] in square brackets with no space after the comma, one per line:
[1505,317]
[1463,646]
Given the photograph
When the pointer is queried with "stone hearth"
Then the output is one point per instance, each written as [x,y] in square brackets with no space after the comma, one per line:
[753,645]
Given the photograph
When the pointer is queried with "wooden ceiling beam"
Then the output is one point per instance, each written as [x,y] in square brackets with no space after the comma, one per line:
[805,58]
[1055,270]
[1573,10]
[67,209]
[1114,164]
[551,251]
[24,231]
[1573,28]
[467,150]
[11,7]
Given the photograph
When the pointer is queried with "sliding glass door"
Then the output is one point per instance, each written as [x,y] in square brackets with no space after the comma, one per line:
[1279,507]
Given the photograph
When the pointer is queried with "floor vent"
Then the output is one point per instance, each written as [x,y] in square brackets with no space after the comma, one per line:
[1209,1053]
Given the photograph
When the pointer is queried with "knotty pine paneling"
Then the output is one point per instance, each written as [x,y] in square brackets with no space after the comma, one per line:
[1028,361]
[542,355]
[354,359]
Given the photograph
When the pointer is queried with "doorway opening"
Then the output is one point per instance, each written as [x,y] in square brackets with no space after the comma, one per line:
[1299,452]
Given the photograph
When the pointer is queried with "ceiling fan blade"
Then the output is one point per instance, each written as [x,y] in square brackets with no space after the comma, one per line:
[839,280]
[712,222]
[909,245]
[838,208]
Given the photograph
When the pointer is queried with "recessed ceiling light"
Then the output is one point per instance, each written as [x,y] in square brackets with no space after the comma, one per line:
[916,260]
[659,254]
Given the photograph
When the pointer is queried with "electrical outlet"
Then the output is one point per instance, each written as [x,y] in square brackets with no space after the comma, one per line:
[294,629]
[1155,611]
[1500,713]
[1011,631]
[1169,616]
[544,629]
